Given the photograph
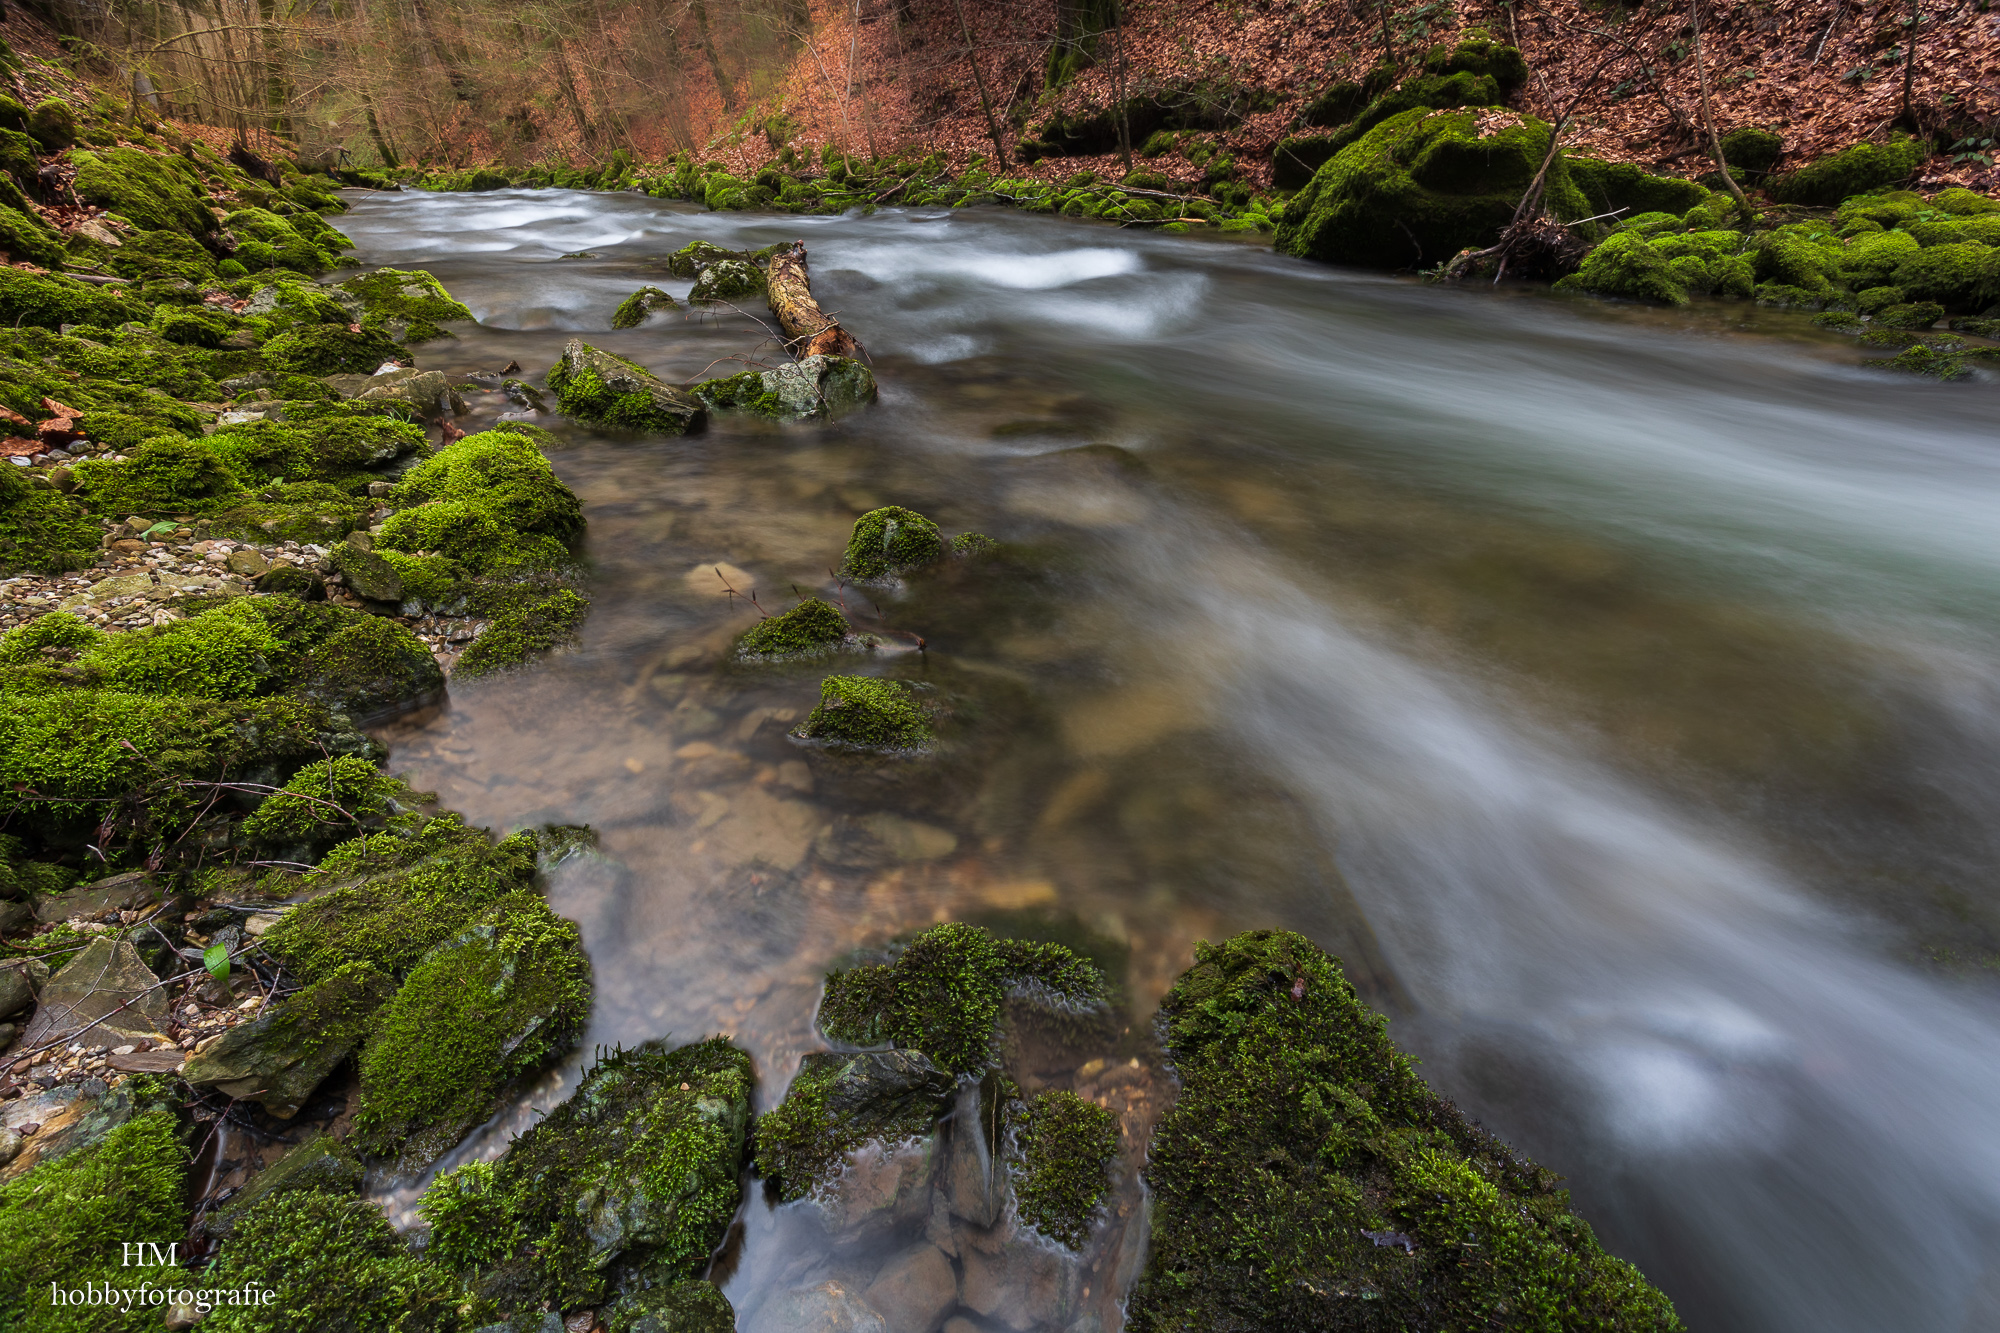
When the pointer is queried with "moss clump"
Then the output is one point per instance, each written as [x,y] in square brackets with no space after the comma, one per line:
[330,450]
[50,300]
[25,236]
[1627,266]
[596,386]
[686,1307]
[323,802]
[405,304]
[52,124]
[1864,168]
[152,255]
[278,1058]
[810,629]
[629,1184]
[304,243]
[336,1263]
[504,473]
[1420,187]
[633,310]
[690,259]
[41,529]
[839,1102]
[324,349]
[1909,315]
[1752,149]
[890,541]
[229,652]
[369,668]
[63,1223]
[503,998]
[942,993]
[518,634]
[1066,1145]
[1962,277]
[155,192]
[417,889]
[168,473]
[727,280]
[1305,1162]
[1608,186]
[744,392]
[863,713]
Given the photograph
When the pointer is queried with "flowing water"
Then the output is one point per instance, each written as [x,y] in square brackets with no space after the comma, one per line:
[1615,690]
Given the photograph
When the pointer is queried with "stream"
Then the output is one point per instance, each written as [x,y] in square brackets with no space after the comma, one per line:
[1615,690]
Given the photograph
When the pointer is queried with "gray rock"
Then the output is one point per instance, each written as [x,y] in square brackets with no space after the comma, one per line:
[428,391]
[278,1058]
[21,980]
[107,977]
[367,573]
[120,893]
[674,410]
[914,1289]
[1020,1286]
[726,280]
[829,1307]
[821,386]
[15,916]
[247,563]
[319,1163]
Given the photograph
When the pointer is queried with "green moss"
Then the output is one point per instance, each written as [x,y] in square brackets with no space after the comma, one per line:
[685,1307]
[504,473]
[320,1162]
[890,541]
[65,1223]
[599,387]
[335,1262]
[52,124]
[1753,149]
[370,668]
[325,349]
[1911,315]
[744,392]
[155,192]
[417,890]
[1927,361]
[1871,259]
[437,581]
[167,473]
[1066,1145]
[1420,187]
[316,451]
[325,801]
[1299,1130]
[1607,186]
[629,1184]
[1626,265]
[634,309]
[41,529]
[727,280]
[304,243]
[1793,260]
[1960,202]
[24,236]
[503,998]
[225,653]
[689,260]
[1962,277]
[810,629]
[1858,170]
[406,304]
[50,300]
[57,635]
[163,254]
[1477,53]
[864,713]
[281,1056]
[470,534]
[839,1102]
[518,634]
[942,993]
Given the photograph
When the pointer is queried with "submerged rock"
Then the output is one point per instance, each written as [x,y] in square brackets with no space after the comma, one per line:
[839,1102]
[278,1058]
[866,713]
[1305,1162]
[599,388]
[629,1184]
[819,385]
[634,309]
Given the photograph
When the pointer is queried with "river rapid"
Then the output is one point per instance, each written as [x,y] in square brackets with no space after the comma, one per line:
[1614,690]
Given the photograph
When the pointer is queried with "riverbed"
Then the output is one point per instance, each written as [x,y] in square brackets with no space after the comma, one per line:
[1614,690]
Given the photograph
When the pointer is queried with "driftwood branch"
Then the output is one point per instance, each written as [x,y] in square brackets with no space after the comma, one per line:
[811,330]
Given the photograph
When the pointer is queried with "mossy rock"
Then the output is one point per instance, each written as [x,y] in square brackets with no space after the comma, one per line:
[1910,315]
[326,803]
[1962,277]
[727,280]
[519,634]
[628,1185]
[1609,186]
[402,894]
[1435,91]
[316,451]
[336,1263]
[42,530]
[634,309]
[63,1224]
[503,998]
[52,125]
[50,301]
[504,473]
[863,713]
[370,669]
[153,191]
[24,237]
[690,259]
[1927,361]
[163,254]
[325,349]
[839,1102]
[813,628]
[303,243]
[941,994]
[685,1307]
[1479,54]
[322,1163]
[280,1057]
[405,304]
[819,385]
[1862,169]
[1753,149]
[1304,1159]
[889,541]
[168,473]
[602,389]
[1063,1171]
[1420,187]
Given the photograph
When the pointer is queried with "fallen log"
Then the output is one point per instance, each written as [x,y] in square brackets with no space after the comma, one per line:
[811,330]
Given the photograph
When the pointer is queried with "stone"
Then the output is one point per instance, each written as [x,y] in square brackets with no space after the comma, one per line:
[694,1306]
[76,1115]
[319,1163]
[161,1060]
[1020,1286]
[595,386]
[821,385]
[15,916]
[21,980]
[118,585]
[726,280]
[366,573]
[428,391]
[10,1145]
[873,838]
[829,1307]
[102,979]
[247,563]
[93,230]
[120,893]
[914,1289]
[281,1056]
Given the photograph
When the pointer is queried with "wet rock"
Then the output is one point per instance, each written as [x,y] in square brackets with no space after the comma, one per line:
[74,1116]
[319,1163]
[820,385]
[278,1058]
[1020,1286]
[685,1307]
[10,1145]
[634,309]
[119,893]
[21,980]
[107,978]
[874,838]
[247,563]
[829,1307]
[727,280]
[597,387]
[15,916]
[368,574]
[914,1289]
[427,391]
[839,1102]
[868,714]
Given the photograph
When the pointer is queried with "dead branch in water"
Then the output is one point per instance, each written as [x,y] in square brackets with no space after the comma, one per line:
[812,331]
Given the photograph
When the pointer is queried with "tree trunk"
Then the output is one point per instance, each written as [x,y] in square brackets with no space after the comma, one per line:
[699,9]
[1708,119]
[375,133]
[1124,101]
[1910,62]
[979,82]
[811,330]
[567,83]
[461,87]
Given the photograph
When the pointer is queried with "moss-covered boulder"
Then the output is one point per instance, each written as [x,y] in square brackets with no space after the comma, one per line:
[820,385]
[504,473]
[332,450]
[334,1262]
[868,714]
[406,305]
[153,191]
[1752,149]
[280,1057]
[685,1307]
[727,280]
[1304,1162]
[1609,186]
[152,255]
[525,631]
[813,628]
[941,994]
[303,242]
[52,124]
[1626,266]
[41,529]
[167,473]
[327,349]
[63,1224]
[629,1185]
[321,1163]
[501,999]
[1422,186]
[1063,1169]
[889,541]
[52,300]
[837,1103]
[636,308]
[1963,277]
[1862,169]
[601,389]
[690,259]
[326,803]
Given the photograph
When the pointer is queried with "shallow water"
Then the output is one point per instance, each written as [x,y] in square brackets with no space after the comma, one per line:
[1613,689]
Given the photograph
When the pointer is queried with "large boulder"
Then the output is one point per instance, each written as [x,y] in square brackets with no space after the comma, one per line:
[280,1057]
[1422,186]
[601,389]
[819,385]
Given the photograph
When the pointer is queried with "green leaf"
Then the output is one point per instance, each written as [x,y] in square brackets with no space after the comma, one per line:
[216,960]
